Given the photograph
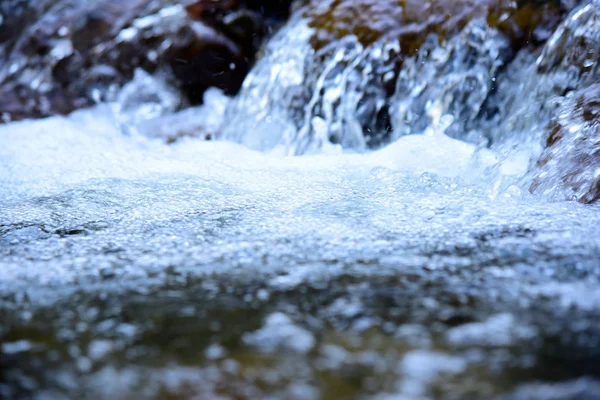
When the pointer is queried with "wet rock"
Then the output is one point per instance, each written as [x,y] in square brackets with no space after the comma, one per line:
[246,23]
[75,53]
[569,167]
[458,76]
[362,73]
[448,51]
[540,100]
[531,87]
[16,16]
[413,20]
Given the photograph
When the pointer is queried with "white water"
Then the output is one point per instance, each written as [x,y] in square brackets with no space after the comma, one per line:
[48,156]
[67,173]
[81,201]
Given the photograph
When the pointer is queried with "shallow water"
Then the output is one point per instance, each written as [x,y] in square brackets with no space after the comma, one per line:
[134,269]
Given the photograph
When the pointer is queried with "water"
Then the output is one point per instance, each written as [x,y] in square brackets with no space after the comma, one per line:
[424,269]
[125,261]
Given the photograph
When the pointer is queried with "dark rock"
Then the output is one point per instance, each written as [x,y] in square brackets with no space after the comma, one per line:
[74,53]
[570,164]
[17,16]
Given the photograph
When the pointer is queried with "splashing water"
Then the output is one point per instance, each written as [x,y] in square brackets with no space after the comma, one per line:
[301,100]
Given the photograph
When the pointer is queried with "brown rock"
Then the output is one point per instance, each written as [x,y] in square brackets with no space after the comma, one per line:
[73,53]
[413,20]
[570,165]
[476,37]
[568,69]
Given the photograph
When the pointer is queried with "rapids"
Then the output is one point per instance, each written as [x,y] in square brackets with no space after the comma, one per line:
[296,256]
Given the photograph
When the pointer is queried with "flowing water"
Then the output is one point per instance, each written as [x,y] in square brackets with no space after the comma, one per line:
[407,262]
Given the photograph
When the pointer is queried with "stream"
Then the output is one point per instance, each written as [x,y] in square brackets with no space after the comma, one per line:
[331,240]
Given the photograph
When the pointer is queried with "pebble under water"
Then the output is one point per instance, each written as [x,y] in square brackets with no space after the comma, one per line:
[134,269]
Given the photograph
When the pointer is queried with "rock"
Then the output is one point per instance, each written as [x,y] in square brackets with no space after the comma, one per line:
[550,97]
[413,20]
[73,53]
[448,51]
[459,75]
[569,167]
[574,48]
[246,24]
[16,16]
[362,73]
